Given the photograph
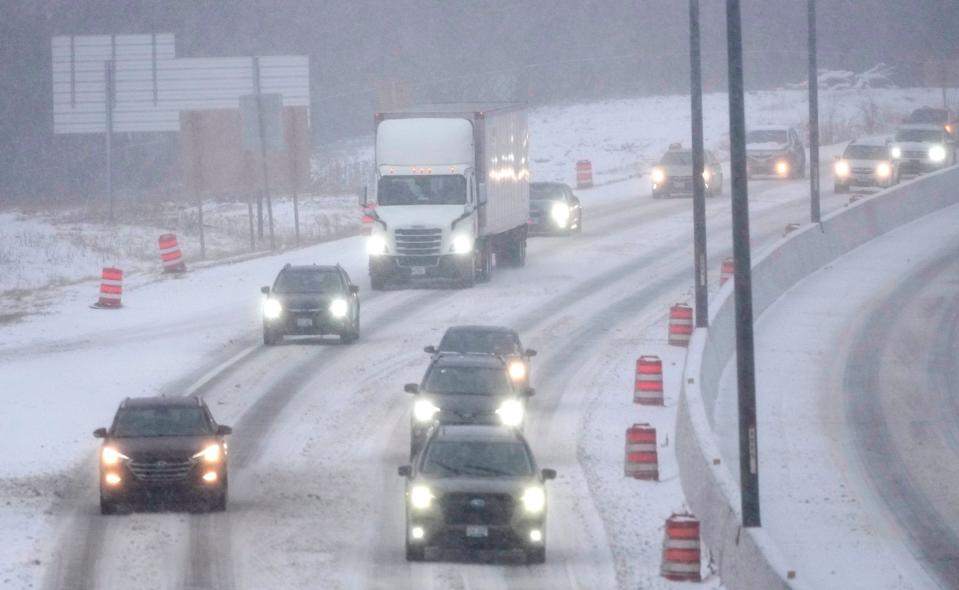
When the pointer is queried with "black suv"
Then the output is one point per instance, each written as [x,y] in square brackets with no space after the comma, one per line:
[162,447]
[476,487]
[776,151]
[465,389]
[497,340]
[313,300]
[553,208]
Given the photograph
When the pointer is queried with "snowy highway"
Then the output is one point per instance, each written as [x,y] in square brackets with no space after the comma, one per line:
[320,428]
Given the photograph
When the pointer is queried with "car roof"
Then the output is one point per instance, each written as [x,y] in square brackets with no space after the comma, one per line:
[468,360]
[158,401]
[871,141]
[479,328]
[310,268]
[477,432]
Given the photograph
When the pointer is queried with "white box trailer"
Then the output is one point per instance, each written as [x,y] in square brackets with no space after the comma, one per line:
[452,192]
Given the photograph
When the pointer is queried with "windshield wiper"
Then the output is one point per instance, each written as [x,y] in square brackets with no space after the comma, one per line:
[449,468]
[492,470]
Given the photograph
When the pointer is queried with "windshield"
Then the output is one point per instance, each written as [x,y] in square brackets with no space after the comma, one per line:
[677,158]
[501,343]
[866,152]
[422,190]
[312,281]
[469,380]
[919,135]
[929,116]
[162,421]
[767,136]
[546,192]
[497,459]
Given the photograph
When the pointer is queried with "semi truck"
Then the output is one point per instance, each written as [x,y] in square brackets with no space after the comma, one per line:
[452,193]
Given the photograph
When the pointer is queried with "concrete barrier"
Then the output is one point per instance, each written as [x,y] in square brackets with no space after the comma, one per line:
[747,558]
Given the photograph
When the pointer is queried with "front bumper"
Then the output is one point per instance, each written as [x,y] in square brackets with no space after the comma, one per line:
[767,166]
[476,534]
[163,483]
[314,322]
[912,167]
[407,268]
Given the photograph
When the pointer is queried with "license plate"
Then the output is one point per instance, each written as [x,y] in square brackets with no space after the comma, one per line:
[418,271]
[304,322]
[477,532]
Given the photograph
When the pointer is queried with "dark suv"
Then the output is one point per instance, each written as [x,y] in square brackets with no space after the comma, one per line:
[776,151]
[497,340]
[476,487]
[311,300]
[554,209]
[163,447]
[465,389]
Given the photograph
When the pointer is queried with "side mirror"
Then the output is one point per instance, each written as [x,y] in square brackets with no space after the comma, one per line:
[354,289]
[549,474]
[530,352]
[100,433]
[411,388]
[265,290]
[405,470]
[530,392]
[222,430]
[430,349]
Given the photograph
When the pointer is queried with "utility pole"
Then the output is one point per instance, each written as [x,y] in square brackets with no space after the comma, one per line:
[699,182]
[745,359]
[109,96]
[263,152]
[813,116]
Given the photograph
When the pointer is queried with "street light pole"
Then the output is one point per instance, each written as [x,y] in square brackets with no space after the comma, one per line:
[699,188]
[745,359]
[813,116]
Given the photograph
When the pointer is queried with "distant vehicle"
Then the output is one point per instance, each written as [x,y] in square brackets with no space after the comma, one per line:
[673,176]
[163,447]
[776,151]
[934,116]
[311,299]
[865,162]
[496,340]
[452,192]
[465,389]
[553,208]
[922,148]
[476,487]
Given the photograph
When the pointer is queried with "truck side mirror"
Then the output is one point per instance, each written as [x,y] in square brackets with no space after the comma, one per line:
[265,290]
[404,470]
[549,474]
[223,430]
[530,352]
[411,388]
[100,433]
[354,289]
[530,392]
[430,349]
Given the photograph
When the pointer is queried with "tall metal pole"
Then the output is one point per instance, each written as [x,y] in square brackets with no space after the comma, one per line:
[699,183]
[263,151]
[813,117]
[109,93]
[745,361]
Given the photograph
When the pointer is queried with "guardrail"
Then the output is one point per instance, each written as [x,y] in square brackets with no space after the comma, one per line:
[748,558]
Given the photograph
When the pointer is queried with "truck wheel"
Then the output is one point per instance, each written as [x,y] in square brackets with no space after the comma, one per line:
[484,263]
[271,337]
[415,552]
[107,506]
[519,252]
[536,555]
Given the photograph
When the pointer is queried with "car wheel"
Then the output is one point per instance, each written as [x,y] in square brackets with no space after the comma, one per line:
[270,337]
[107,506]
[415,552]
[536,555]
[218,501]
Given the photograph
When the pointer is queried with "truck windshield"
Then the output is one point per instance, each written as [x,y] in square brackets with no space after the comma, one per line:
[422,190]
[919,135]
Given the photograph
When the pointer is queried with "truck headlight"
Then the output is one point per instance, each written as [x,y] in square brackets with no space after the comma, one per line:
[272,309]
[560,214]
[782,167]
[883,170]
[534,500]
[462,244]
[421,497]
[895,152]
[842,168]
[511,412]
[517,370]
[376,245]
[339,307]
[706,175]
[111,456]
[211,454]
[424,410]
[657,175]
[937,153]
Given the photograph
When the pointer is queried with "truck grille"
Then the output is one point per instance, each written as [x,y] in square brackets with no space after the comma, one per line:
[863,170]
[161,471]
[914,155]
[418,241]
[410,261]
[489,509]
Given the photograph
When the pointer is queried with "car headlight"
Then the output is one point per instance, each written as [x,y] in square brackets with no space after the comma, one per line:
[339,307]
[424,410]
[211,454]
[895,152]
[272,309]
[706,174]
[842,168]
[937,153]
[883,170]
[560,214]
[462,244]
[658,175]
[376,245]
[511,412]
[111,456]
[517,370]
[782,167]
[421,497]
[534,500]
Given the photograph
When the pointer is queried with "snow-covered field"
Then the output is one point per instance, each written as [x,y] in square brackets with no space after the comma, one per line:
[320,428]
